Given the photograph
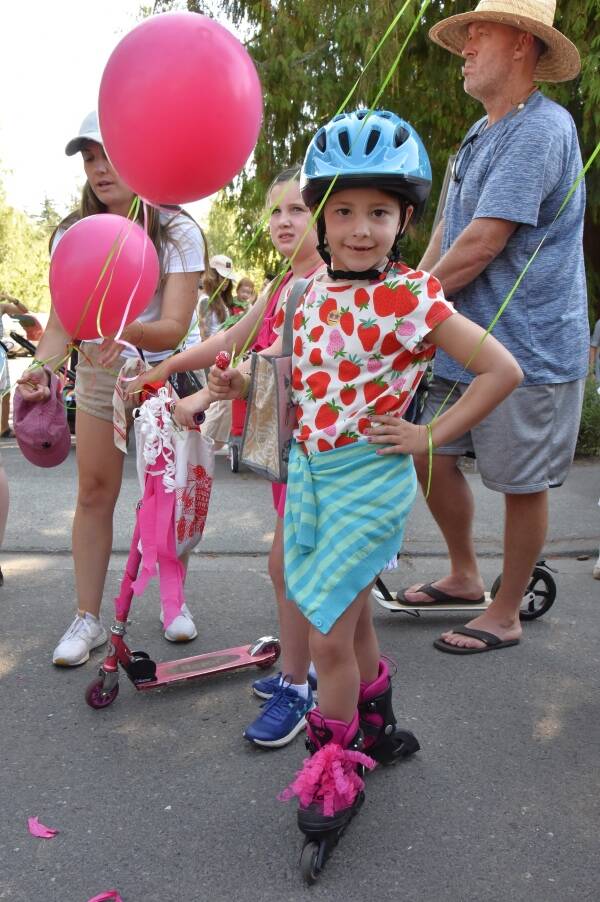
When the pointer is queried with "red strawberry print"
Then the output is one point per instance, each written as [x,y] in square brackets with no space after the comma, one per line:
[387,404]
[414,274]
[407,298]
[304,433]
[298,346]
[373,389]
[315,333]
[368,332]
[222,360]
[279,318]
[324,445]
[349,369]
[390,344]
[299,413]
[402,360]
[348,395]
[433,287]
[338,288]
[317,384]
[435,314]
[297,379]
[361,298]
[345,438]
[384,299]
[327,307]
[363,424]
[347,321]
[327,414]
[316,357]
[298,320]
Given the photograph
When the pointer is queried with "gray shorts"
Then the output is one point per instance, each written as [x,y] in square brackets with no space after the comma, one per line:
[527,443]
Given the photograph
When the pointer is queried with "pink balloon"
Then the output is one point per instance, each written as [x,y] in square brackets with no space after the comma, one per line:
[77,290]
[180,107]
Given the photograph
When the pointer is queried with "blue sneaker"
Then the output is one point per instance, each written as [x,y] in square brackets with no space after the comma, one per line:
[268,686]
[281,718]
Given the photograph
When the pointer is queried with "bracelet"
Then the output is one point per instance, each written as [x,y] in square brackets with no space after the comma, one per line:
[246,388]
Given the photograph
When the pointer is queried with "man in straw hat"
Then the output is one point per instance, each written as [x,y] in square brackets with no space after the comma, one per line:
[512,172]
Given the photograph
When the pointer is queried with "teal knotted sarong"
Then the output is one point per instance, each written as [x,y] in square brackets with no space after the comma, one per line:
[345,514]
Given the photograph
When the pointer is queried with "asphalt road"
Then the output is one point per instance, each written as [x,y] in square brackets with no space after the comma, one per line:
[160,797]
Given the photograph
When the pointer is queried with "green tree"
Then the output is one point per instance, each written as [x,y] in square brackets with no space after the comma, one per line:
[310,52]
[23,256]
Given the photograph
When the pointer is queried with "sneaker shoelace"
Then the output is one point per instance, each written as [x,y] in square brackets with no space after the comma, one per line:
[281,702]
[75,630]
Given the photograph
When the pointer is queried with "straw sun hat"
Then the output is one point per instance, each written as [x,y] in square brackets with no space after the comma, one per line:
[560,61]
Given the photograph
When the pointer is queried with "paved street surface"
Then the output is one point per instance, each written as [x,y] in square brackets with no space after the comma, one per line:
[160,797]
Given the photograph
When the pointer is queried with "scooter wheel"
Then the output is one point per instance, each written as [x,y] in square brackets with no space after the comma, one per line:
[97,698]
[309,863]
[273,649]
[539,596]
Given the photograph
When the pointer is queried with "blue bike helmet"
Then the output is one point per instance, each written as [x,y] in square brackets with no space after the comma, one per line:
[385,152]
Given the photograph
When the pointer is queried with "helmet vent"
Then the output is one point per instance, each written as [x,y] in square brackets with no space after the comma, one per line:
[360,114]
[400,136]
[344,139]
[372,141]
[321,140]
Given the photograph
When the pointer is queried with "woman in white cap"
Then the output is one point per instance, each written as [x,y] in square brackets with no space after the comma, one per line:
[157,331]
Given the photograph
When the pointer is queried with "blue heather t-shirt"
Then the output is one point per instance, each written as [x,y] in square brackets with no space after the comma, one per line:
[521,169]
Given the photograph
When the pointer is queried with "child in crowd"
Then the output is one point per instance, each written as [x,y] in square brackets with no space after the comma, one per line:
[363,334]
[288,694]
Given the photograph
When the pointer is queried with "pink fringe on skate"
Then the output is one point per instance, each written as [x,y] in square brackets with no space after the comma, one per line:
[330,777]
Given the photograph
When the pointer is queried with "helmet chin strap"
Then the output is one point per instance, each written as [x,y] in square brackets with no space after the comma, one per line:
[368,275]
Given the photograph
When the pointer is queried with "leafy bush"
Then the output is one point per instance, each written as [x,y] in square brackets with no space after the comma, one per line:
[588,441]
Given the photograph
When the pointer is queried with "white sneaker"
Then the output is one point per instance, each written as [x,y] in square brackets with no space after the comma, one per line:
[183,628]
[84,634]
[223,451]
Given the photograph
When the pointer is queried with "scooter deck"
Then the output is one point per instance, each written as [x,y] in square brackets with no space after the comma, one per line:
[205,665]
[395,605]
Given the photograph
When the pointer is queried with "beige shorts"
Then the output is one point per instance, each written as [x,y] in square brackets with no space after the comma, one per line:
[94,385]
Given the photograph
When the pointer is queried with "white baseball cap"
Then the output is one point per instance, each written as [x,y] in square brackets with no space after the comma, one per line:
[89,130]
[224,266]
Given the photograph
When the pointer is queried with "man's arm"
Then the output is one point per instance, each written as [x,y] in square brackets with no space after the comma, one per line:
[469,255]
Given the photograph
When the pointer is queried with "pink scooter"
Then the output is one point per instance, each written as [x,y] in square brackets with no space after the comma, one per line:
[143,672]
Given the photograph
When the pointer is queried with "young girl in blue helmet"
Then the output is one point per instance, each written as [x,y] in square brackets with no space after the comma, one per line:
[363,335]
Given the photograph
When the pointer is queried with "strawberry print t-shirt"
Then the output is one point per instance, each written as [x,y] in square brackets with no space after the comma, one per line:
[359,350]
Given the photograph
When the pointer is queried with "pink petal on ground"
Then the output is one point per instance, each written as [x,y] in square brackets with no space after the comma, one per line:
[37,829]
[111,895]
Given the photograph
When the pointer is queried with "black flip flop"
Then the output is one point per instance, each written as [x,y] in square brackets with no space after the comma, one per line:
[438,596]
[491,642]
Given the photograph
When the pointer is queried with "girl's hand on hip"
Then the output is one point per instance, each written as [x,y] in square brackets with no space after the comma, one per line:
[399,436]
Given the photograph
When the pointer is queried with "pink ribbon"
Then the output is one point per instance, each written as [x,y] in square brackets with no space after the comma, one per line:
[40,830]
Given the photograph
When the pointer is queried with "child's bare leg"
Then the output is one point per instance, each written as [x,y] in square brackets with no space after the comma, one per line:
[336,663]
[293,626]
[366,644]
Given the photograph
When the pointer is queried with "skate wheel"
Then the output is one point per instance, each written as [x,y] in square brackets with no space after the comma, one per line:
[309,863]
[539,595]
[97,698]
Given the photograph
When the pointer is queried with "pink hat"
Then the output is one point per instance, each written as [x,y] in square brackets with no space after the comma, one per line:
[41,429]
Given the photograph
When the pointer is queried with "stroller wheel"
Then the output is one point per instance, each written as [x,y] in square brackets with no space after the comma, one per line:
[234,458]
[96,697]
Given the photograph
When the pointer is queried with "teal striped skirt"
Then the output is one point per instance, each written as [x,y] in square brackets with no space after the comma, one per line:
[345,514]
